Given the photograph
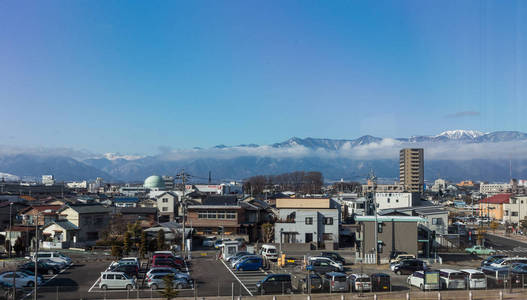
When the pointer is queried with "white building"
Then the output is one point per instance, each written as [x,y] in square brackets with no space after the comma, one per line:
[495,188]
[77,184]
[396,200]
[515,210]
[439,185]
[217,189]
[168,204]
[48,180]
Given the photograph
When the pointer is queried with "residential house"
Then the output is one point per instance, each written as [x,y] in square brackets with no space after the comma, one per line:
[61,231]
[516,209]
[308,220]
[394,233]
[8,212]
[492,207]
[46,214]
[167,205]
[90,219]
[133,214]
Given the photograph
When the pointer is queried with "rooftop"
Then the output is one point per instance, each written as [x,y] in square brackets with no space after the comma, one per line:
[497,199]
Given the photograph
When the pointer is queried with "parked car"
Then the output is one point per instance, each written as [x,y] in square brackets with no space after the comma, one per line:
[475,278]
[176,272]
[235,261]
[487,261]
[157,281]
[274,284]
[209,242]
[249,264]
[131,270]
[401,257]
[54,263]
[452,279]
[54,256]
[480,250]
[315,280]
[42,268]
[519,275]
[31,273]
[218,243]
[165,262]
[127,261]
[360,282]
[417,279]
[334,256]
[21,279]
[238,255]
[335,282]
[177,260]
[116,280]
[506,261]
[323,265]
[408,266]
[269,252]
[380,282]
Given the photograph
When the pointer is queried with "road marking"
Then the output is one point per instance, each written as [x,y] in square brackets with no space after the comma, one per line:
[96,281]
[236,278]
[45,282]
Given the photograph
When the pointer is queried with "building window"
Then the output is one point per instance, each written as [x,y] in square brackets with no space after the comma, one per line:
[309,221]
[388,200]
[165,200]
[397,200]
[436,221]
[165,208]
[514,213]
[328,221]
[506,212]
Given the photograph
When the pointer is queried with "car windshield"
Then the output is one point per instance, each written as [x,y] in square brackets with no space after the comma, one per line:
[499,261]
[340,278]
[362,279]
[271,250]
[456,276]
[478,276]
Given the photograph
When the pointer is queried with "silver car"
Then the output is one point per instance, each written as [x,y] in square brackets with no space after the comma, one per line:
[156,281]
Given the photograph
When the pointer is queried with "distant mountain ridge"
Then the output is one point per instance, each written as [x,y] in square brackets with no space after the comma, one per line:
[335,158]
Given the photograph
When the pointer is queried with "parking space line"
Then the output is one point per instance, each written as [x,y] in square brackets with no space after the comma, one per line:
[236,277]
[96,281]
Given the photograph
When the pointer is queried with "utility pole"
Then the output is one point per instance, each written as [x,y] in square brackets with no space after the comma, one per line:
[183,176]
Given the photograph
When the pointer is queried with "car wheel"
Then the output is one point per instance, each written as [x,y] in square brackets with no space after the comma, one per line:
[50,272]
[179,286]
[398,272]
[104,287]
[153,286]
[129,287]
[409,281]
[474,253]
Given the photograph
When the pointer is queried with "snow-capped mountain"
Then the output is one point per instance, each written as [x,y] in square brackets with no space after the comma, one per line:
[455,155]
[460,134]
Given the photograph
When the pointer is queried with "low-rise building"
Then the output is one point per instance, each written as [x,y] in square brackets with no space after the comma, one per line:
[490,189]
[396,200]
[91,220]
[168,205]
[493,207]
[515,210]
[308,220]
[126,202]
[46,214]
[372,187]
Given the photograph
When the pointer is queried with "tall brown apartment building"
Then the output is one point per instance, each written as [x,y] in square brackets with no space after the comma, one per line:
[411,169]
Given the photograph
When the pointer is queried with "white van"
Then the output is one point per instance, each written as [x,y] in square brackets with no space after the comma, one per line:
[54,256]
[452,279]
[418,279]
[476,279]
[116,280]
[269,252]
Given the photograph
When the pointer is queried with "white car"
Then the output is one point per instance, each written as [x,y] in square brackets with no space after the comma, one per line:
[506,261]
[21,279]
[54,256]
[417,279]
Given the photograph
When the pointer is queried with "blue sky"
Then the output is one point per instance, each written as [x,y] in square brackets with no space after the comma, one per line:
[127,76]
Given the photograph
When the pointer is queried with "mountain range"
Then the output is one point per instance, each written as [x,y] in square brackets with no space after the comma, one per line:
[454,155]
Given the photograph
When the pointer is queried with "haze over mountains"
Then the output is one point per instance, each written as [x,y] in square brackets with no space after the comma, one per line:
[454,155]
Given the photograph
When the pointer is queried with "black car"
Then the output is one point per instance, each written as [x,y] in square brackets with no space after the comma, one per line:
[380,282]
[487,261]
[275,284]
[334,256]
[409,266]
[42,268]
[130,270]
[314,279]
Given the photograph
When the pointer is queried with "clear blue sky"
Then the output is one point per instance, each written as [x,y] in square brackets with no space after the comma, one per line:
[130,76]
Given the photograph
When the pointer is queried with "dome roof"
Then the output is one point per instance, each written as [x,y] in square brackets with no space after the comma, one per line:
[154,182]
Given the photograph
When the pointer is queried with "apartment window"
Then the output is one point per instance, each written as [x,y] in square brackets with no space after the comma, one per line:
[514,213]
[165,208]
[396,200]
[231,214]
[388,200]
[436,221]
[165,200]
[309,221]
[202,214]
[506,212]
[328,221]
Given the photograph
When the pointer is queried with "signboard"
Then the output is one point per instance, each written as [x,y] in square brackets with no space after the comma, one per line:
[431,278]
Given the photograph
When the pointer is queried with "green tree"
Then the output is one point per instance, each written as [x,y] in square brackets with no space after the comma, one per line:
[116,251]
[143,245]
[268,232]
[169,292]
[160,239]
[126,242]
